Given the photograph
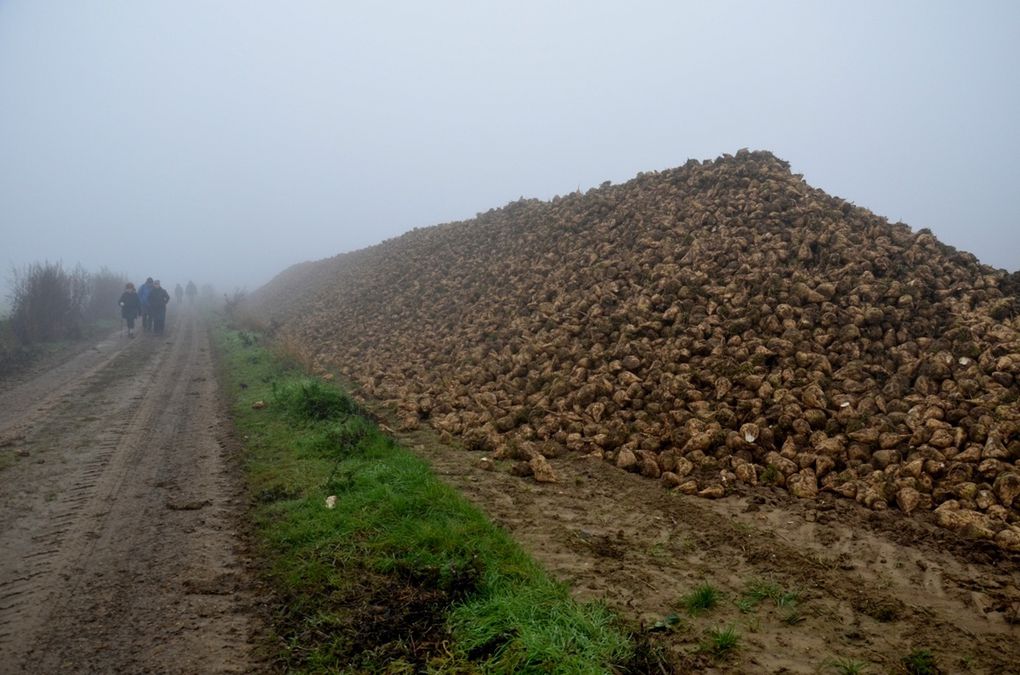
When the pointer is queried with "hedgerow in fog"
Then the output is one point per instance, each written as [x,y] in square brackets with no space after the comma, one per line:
[50,303]
[44,303]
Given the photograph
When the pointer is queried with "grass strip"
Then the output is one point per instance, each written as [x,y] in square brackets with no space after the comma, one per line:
[400,573]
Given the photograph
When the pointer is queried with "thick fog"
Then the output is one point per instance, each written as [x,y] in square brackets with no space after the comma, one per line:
[224,141]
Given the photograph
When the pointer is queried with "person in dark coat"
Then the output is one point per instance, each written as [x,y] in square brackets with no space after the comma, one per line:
[158,299]
[192,291]
[178,293]
[143,298]
[130,307]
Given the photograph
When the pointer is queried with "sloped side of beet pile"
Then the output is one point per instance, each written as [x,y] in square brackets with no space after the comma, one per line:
[714,323]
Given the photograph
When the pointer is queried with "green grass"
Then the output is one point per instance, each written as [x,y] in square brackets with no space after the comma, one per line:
[312,401]
[847,666]
[921,662]
[701,599]
[758,590]
[792,617]
[788,599]
[721,641]
[746,605]
[403,574]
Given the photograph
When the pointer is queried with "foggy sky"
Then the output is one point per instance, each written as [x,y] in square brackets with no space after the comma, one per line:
[223,141]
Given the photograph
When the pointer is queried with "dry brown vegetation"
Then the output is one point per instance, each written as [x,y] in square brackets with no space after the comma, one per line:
[714,323]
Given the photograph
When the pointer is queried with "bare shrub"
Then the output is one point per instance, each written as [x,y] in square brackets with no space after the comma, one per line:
[232,302]
[50,303]
[11,350]
[80,288]
[44,303]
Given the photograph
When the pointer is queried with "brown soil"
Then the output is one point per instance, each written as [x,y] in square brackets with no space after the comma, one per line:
[119,514]
[872,586]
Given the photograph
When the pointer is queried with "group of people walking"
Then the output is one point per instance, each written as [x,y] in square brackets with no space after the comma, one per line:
[149,301]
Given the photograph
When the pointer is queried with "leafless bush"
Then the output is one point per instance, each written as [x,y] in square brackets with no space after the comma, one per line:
[80,287]
[50,303]
[47,302]
[232,302]
[10,348]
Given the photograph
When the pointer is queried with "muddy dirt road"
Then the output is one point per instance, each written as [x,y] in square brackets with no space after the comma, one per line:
[119,549]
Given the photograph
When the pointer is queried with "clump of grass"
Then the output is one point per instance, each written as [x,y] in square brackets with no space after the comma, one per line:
[347,436]
[756,591]
[787,599]
[921,662]
[701,599]
[533,627]
[793,617]
[658,550]
[721,641]
[309,400]
[759,589]
[848,666]
[247,339]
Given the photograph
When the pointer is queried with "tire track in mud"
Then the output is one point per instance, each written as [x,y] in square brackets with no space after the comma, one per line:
[53,552]
[29,557]
[130,562]
[27,399]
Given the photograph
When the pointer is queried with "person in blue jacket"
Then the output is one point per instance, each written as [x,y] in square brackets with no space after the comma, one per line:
[143,299]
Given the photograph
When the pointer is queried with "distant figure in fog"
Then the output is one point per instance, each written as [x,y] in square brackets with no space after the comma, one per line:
[143,298]
[192,291]
[178,293]
[158,298]
[130,307]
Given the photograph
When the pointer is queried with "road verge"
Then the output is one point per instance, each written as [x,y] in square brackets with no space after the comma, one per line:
[376,565]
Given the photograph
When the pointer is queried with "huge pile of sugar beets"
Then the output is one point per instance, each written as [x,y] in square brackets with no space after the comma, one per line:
[717,323]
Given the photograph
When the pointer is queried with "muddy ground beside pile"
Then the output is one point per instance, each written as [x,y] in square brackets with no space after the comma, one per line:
[871,586]
[119,513]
